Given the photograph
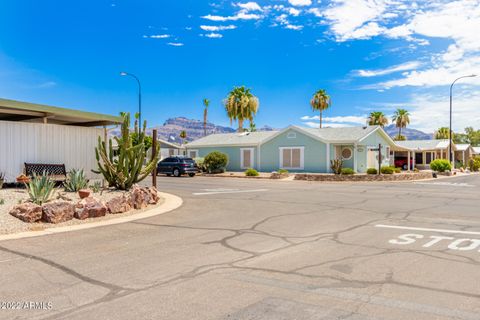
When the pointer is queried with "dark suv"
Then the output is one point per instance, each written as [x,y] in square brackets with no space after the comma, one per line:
[176,166]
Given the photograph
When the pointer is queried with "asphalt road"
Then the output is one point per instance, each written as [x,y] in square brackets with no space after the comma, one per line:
[259,249]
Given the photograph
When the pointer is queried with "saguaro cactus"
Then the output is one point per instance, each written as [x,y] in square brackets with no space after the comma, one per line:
[127,165]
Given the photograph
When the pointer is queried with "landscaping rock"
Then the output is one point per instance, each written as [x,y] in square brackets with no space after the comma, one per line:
[120,204]
[141,197]
[153,195]
[27,212]
[56,212]
[90,208]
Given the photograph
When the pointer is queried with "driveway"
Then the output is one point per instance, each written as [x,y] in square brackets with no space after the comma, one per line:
[260,249]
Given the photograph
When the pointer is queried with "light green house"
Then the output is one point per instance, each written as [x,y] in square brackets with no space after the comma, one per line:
[299,149]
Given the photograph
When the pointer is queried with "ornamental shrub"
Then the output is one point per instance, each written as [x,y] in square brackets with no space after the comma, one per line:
[283,171]
[387,170]
[251,172]
[347,171]
[398,170]
[372,171]
[215,162]
[440,165]
[474,164]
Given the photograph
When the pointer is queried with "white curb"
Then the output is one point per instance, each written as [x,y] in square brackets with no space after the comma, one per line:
[171,202]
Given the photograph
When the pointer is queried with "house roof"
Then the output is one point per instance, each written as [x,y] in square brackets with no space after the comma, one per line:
[11,110]
[232,139]
[462,147]
[335,135]
[423,144]
[476,150]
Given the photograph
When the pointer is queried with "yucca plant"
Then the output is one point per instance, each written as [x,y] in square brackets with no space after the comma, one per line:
[40,188]
[76,180]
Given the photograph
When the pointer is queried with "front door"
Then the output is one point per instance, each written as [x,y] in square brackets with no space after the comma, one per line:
[372,159]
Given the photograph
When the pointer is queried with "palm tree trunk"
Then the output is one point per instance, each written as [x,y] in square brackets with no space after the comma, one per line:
[399,131]
[205,122]
[320,119]
[240,125]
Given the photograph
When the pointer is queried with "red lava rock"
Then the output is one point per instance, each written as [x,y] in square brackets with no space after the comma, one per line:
[141,197]
[90,208]
[120,204]
[27,212]
[56,212]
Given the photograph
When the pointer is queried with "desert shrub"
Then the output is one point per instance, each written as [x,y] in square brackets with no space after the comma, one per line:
[416,170]
[398,170]
[216,162]
[76,180]
[474,164]
[251,172]
[2,202]
[440,165]
[96,186]
[200,164]
[283,171]
[387,170]
[372,171]
[336,166]
[347,171]
[40,188]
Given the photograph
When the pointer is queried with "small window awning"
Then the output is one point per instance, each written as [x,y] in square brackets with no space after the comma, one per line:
[11,110]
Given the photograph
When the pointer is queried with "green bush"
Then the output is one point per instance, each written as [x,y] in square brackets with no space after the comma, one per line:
[40,188]
[387,170]
[200,164]
[398,170]
[347,171]
[76,180]
[440,165]
[283,171]
[372,171]
[96,186]
[474,164]
[251,172]
[216,162]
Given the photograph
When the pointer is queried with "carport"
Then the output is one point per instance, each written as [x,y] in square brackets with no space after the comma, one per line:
[425,151]
[398,151]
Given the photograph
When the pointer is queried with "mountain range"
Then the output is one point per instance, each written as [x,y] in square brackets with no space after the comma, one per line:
[171,128]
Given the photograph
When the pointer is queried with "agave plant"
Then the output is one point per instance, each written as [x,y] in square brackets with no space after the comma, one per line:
[40,188]
[76,180]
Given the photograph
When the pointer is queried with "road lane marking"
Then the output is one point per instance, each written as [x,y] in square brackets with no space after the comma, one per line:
[451,184]
[226,192]
[426,229]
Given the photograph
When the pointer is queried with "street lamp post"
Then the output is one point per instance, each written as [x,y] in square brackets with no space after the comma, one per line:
[139,97]
[450,135]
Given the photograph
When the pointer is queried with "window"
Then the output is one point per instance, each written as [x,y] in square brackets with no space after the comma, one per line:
[418,157]
[246,158]
[171,152]
[193,154]
[291,135]
[428,157]
[347,153]
[292,158]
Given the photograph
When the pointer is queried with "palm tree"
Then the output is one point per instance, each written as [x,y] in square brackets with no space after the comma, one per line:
[253,127]
[206,103]
[241,105]
[183,135]
[320,102]
[401,118]
[442,133]
[377,118]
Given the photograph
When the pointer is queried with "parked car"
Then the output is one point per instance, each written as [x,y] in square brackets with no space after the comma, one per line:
[402,162]
[176,166]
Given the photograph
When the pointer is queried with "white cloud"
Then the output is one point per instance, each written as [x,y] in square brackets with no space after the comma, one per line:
[241,15]
[249,6]
[312,124]
[300,3]
[47,84]
[176,44]
[293,27]
[429,112]
[214,35]
[218,28]
[353,120]
[381,72]
[315,11]
[158,36]
[294,12]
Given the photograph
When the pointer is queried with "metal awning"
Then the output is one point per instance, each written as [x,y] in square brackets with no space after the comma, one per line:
[11,110]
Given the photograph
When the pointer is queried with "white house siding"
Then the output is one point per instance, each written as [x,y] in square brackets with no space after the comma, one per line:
[22,142]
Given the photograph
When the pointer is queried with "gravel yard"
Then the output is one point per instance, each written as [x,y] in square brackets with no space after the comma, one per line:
[12,197]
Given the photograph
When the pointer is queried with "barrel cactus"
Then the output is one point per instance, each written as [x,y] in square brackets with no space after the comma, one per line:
[127,165]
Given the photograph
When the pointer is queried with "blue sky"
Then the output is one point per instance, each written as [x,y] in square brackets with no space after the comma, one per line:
[368,54]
